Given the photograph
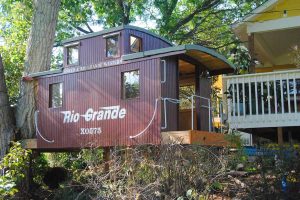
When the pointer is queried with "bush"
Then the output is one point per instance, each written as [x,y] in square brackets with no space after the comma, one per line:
[13,168]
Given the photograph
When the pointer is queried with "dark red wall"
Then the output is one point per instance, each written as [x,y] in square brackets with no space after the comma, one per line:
[99,88]
[92,50]
[149,41]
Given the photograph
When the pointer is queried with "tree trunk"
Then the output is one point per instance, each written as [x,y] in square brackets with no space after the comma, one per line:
[38,58]
[6,118]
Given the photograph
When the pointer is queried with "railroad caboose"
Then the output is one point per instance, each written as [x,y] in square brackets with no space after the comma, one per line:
[121,87]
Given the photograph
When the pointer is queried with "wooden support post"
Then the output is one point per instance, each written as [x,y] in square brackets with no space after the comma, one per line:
[290,137]
[197,100]
[106,158]
[251,52]
[280,135]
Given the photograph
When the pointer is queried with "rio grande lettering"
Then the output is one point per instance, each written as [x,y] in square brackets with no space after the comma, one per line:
[104,113]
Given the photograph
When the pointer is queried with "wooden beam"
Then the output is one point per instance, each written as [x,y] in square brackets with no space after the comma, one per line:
[197,100]
[280,135]
[29,143]
[106,158]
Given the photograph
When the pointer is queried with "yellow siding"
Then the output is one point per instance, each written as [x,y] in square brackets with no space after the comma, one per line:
[291,6]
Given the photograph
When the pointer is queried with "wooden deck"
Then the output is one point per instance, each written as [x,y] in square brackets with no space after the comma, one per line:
[194,137]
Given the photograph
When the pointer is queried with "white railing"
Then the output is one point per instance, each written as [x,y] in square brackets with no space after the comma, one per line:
[264,99]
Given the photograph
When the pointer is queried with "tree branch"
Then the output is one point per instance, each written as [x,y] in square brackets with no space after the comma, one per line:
[208,4]
[88,26]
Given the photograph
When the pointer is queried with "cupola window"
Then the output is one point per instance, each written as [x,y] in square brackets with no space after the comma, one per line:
[112,46]
[135,44]
[73,55]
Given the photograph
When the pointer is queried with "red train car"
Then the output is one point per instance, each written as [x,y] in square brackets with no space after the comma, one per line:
[121,87]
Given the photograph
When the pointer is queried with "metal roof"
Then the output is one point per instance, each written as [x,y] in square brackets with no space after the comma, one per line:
[213,61]
[119,28]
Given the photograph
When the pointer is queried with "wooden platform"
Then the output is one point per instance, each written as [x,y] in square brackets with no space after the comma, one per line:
[29,143]
[194,137]
[180,137]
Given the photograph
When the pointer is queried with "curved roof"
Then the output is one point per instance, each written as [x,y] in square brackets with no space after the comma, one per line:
[213,61]
[119,28]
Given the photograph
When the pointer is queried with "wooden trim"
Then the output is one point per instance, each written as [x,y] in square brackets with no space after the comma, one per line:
[195,137]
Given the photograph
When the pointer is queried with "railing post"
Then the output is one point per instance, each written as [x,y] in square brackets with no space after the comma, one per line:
[295,97]
[209,115]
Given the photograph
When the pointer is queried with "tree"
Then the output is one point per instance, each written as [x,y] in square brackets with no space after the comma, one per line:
[38,58]
[116,13]
[6,118]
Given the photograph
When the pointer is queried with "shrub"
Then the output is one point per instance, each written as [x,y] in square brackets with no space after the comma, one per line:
[13,167]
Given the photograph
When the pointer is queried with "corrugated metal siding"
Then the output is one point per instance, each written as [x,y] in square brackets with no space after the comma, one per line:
[149,42]
[99,88]
[170,89]
[92,51]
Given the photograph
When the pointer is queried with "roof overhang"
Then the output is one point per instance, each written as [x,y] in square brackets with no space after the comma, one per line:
[112,30]
[240,28]
[214,62]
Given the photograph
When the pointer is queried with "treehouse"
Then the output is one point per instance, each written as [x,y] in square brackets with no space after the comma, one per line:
[121,86]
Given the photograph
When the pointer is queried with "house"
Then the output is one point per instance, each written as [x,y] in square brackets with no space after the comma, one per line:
[266,102]
[121,86]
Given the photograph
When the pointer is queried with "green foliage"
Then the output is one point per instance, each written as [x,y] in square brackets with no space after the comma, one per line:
[13,167]
[39,166]
[116,13]
[15,22]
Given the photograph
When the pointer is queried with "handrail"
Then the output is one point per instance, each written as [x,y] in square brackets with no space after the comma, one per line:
[37,129]
[165,71]
[153,116]
[209,108]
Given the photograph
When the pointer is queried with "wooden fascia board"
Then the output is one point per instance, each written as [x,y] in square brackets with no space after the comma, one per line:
[271,25]
[259,10]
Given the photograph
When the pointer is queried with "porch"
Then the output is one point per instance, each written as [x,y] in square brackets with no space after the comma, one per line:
[263,99]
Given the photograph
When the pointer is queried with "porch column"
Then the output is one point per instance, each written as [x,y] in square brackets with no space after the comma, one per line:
[251,52]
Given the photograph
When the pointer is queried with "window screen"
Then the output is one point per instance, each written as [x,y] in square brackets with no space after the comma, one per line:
[56,95]
[135,44]
[112,46]
[73,55]
[130,84]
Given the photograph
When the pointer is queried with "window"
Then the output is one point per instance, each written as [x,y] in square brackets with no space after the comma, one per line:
[135,44]
[130,84]
[112,46]
[72,55]
[55,95]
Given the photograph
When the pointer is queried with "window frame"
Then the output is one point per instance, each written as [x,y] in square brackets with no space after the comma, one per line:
[50,93]
[106,37]
[123,95]
[67,47]
[141,42]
